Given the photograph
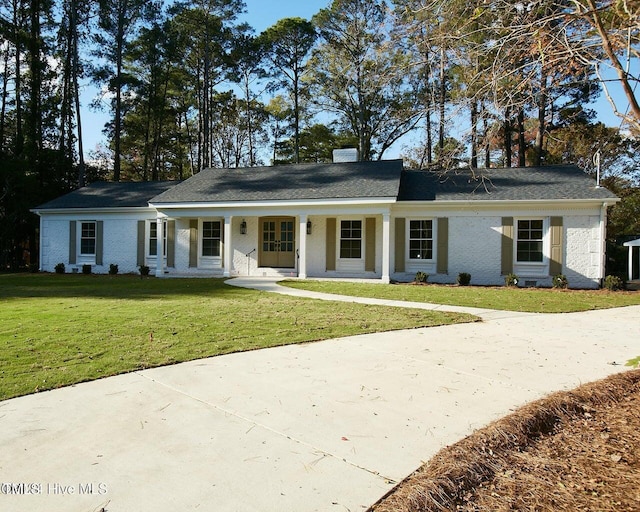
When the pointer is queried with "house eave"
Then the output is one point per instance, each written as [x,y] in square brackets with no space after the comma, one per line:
[511,203]
[92,211]
[354,201]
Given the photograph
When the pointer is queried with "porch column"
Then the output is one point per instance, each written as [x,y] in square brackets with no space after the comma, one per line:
[160,246]
[226,264]
[302,262]
[630,262]
[386,221]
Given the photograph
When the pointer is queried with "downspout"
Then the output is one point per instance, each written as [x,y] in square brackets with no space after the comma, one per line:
[603,242]
[40,244]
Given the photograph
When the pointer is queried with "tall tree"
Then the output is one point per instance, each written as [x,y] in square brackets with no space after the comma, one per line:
[206,30]
[288,44]
[118,23]
[246,60]
[73,28]
[359,74]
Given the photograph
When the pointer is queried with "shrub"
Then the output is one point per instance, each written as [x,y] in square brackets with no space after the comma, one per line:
[34,268]
[86,269]
[560,281]
[464,278]
[421,277]
[59,268]
[613,283]
[511,280]
[113,269]
[144,270]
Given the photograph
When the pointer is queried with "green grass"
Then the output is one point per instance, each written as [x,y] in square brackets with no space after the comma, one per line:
[533,300]
[57,330]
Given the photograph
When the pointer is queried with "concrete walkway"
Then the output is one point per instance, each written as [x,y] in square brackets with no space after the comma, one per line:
[322,426]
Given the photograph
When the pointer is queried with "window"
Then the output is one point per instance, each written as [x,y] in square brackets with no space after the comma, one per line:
[351,239]
[153,238]
[529,241]
[211,235]
[88,238]
[421,239]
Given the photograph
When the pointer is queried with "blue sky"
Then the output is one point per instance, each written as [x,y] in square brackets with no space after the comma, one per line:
[261,14]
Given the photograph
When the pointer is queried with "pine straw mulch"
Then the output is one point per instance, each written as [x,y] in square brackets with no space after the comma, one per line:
[571,451]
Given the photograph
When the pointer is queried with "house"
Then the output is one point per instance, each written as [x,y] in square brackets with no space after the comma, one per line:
[350,219]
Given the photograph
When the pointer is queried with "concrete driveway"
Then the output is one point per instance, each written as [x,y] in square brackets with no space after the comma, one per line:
[322,426]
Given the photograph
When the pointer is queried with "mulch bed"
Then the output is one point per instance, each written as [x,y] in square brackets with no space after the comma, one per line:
[571,451]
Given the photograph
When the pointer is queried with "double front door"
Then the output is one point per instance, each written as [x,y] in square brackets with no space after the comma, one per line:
[277,247]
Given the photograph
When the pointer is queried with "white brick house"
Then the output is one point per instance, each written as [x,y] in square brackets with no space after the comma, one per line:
[352,220]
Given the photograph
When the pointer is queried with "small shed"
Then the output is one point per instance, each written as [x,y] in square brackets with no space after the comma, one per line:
[631,245]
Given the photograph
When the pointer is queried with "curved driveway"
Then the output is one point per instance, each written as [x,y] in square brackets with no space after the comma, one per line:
[320,426]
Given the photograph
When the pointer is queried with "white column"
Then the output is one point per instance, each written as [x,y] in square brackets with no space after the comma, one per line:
[227,246]
[386,221]
[160,246]
[302,261]
[630,262]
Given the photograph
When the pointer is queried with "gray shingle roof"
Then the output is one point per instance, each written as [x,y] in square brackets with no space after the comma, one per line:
[289,182]
[341,181]
[519,184]
[110,195]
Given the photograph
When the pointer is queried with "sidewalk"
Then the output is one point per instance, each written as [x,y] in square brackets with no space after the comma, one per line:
[270,284]
[326,426]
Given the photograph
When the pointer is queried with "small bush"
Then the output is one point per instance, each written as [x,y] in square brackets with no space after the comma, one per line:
[613,283]
[113,269]
[86,269]
[511,280]
[59,268]
[144,270]
[560,281]
[34,268]
[464,278]
[421,277]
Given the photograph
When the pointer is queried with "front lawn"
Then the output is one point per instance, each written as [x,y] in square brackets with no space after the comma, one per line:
[532,300]
[57,330]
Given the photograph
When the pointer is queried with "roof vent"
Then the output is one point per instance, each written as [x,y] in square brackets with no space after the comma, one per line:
[345,155]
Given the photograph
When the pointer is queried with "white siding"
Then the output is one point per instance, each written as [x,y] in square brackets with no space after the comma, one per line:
[474,242]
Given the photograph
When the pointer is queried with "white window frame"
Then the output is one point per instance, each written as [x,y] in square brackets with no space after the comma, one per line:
[210,262]
[153,258]
[433,240]
[532,268]
[350,264]
[86,258]
[413,265]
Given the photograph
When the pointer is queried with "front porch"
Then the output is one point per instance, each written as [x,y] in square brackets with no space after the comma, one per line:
[270,244]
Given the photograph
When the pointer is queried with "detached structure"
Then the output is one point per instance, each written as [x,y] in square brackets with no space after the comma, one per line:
[353,220]
[631,245]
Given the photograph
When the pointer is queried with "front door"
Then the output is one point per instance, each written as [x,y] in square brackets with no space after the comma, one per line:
[278,242]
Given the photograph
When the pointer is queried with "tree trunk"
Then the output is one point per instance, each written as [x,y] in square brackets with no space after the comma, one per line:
[507,137]
[76,95]
[485,129]
[5,86]
[443,98]
[34,119]
[542,115]
[19,144]
[474,134]
[522,149]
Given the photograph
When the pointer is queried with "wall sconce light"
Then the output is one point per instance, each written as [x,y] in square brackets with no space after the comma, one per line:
[309,227]
[243,227]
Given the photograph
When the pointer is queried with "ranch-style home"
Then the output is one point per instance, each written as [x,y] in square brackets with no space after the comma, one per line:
[352,219]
